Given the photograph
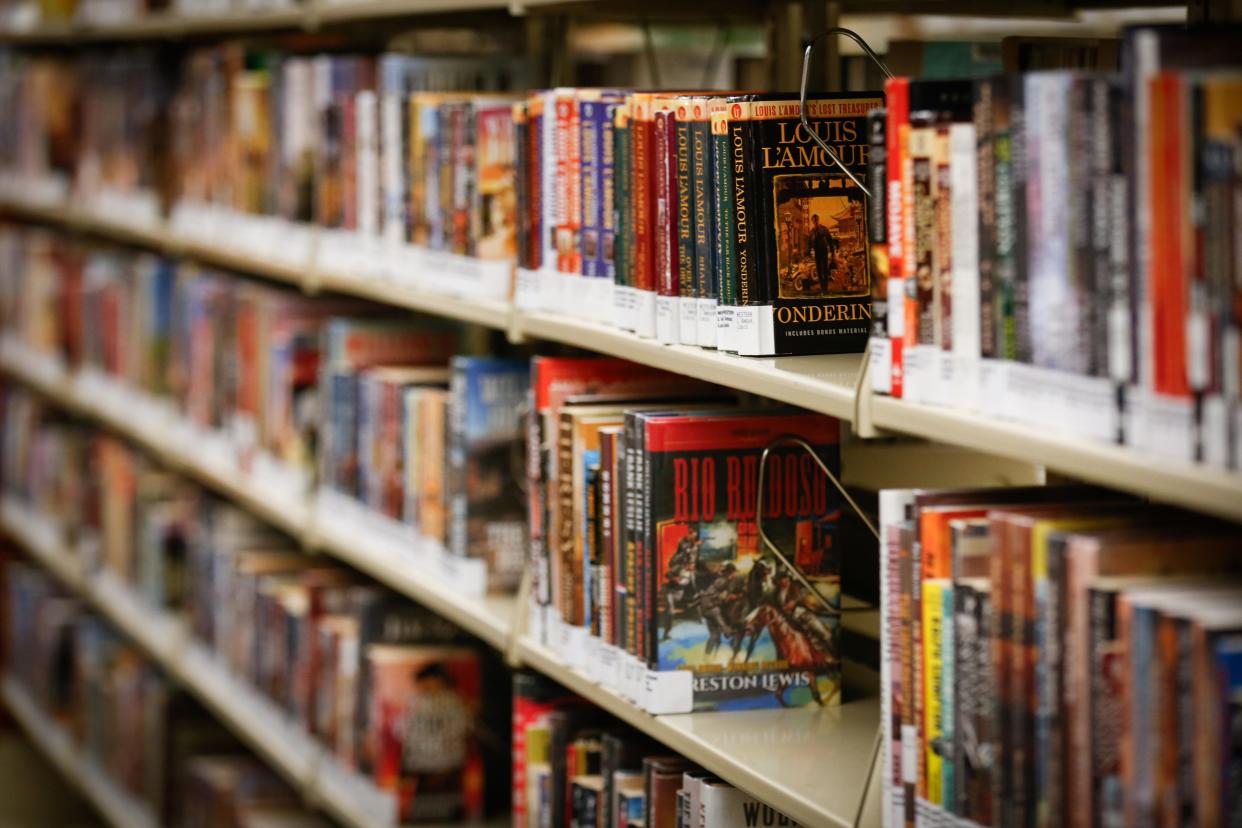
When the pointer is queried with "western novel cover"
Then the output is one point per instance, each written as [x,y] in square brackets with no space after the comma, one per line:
[813,259]
[724,606]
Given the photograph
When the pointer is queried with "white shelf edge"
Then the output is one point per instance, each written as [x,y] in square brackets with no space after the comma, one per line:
[1197,487]
[692,735]
[119,807]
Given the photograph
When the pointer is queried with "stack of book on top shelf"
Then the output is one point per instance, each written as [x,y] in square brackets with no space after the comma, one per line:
[1058,248]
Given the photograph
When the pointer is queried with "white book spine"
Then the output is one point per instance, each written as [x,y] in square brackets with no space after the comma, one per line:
[966,339]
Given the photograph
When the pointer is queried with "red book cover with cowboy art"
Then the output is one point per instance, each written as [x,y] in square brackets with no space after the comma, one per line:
[725,606]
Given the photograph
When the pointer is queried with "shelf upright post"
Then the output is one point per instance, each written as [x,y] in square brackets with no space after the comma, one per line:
[784,44]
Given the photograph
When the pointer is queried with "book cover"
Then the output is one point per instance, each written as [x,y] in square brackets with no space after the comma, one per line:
[486,508]
[720,604]
[424,705]
[814,276]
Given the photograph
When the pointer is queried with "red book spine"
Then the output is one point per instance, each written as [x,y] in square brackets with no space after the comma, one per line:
[1170,230]
[897,98]
[663,215]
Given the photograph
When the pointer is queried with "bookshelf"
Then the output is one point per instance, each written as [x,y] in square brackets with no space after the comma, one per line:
[118,808]
[819,767]
[285,745]
[833,385]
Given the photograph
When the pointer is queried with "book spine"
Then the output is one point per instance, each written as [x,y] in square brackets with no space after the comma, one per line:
[521,181]
[605,514]
[942,297]
[881,364]
[748,229]
[536,161]
[569,184]
[607,250]
[1004,191]
[623,156]
[681,192]
[549,163]
[368,189]
[591,221]
[627,631]
[393,183]
[933,680]
[896,128]
[965,334]
[562,532]
[1170,245]
[985,252]
[455,479]
[644,550]
[591,548]
[642,137]
[1019,156]
[703,174]
[665,227]
[724,273]
[894,506]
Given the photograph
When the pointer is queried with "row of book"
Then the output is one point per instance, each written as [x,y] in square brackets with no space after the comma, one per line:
[674,583]
[706,219]
[1060,248]
[117,709]
[1058,656]
[387,411]
[250,147]
[393,691]
[573,765]
[650,573]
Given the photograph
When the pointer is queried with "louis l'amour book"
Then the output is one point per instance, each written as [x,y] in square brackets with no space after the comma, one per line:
[812,284]
[725,607]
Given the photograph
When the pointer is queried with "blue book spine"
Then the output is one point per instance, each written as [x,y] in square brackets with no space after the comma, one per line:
[608,188]
[590,124]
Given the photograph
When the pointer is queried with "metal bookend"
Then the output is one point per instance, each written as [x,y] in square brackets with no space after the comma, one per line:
[791,440]
[806,124]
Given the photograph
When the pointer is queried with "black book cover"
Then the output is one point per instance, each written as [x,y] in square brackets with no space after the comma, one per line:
[815,270]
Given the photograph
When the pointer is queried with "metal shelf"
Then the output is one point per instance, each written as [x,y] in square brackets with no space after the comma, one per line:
[1198,487]
[119,807]
[834,385]
[813,765]
[488,617]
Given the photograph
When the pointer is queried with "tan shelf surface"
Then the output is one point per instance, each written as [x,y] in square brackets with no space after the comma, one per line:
[820,383]
[1193,486]
[120,808]
[813,765]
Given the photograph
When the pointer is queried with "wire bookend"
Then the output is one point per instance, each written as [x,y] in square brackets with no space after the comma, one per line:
[792,440]
[806,124]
